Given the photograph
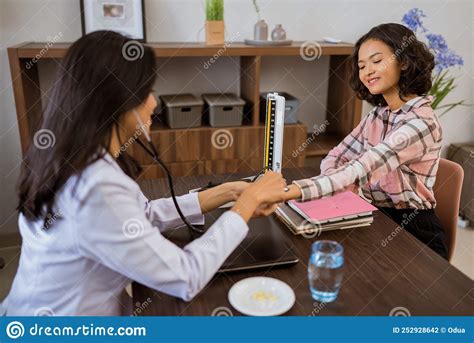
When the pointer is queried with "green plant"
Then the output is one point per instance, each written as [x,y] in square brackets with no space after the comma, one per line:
[257,9]
[214,10]
[442,86]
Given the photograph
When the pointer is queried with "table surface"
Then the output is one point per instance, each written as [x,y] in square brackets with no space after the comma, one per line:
[403,276]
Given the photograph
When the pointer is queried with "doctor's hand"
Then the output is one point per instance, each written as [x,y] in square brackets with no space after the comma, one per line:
[236,188]
[262,196]
[212,198]
[265,210]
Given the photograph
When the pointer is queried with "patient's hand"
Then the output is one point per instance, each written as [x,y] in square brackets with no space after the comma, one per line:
[353,188]
[292,193]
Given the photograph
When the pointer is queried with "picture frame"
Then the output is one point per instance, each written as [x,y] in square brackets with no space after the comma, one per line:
[126,17]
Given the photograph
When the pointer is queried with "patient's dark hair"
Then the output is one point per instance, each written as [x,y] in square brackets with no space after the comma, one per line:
[102,76]
[409,52]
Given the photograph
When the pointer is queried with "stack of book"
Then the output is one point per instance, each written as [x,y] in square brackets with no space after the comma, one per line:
[342,211]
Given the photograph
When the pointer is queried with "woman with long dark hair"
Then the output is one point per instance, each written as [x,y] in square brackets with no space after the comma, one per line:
[86,227]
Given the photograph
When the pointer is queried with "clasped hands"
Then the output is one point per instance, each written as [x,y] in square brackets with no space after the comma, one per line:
[252,199]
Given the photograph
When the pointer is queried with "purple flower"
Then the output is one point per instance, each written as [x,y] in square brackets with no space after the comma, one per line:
[447,58]
[436,42]
[412,19]
[444,57]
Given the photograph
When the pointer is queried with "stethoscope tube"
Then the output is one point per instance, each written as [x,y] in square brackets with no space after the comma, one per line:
[154,154]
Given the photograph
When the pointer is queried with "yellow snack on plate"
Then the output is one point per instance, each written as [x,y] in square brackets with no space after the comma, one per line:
[264,296]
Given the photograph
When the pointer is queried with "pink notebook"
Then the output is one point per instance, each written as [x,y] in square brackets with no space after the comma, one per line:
[345,205]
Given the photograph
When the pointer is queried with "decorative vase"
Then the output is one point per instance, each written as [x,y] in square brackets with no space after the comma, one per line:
[215,32]
[278,33]
[260,31]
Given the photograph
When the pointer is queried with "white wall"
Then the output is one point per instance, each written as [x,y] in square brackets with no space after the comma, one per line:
[182,20]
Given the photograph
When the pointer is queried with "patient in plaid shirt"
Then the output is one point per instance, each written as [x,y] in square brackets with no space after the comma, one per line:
[393,154]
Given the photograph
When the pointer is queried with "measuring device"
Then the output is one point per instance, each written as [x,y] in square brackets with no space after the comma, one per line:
[274,127]
[273,148]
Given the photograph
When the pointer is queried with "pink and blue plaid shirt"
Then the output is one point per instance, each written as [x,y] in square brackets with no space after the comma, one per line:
[392,155]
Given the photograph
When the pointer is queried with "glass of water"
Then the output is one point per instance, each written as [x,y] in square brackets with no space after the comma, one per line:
[325,270]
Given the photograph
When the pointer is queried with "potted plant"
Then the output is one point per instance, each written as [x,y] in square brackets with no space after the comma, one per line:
[215,22]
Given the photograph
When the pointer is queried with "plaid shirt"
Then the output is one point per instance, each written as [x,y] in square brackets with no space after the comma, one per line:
[392,155]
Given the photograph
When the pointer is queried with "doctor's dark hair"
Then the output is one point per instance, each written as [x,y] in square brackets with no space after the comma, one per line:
[408,51]
[103,76]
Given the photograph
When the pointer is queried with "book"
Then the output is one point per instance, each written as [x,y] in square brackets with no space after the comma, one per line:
[342,206]
[299,225]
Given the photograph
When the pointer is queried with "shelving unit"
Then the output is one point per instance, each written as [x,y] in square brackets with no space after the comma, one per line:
[190,151]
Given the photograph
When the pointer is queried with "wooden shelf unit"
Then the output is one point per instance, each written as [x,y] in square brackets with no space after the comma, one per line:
[189,151]
[321,144]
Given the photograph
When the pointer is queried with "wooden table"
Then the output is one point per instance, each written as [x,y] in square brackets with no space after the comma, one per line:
[377,279]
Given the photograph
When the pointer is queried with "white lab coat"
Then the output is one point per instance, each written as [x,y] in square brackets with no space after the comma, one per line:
[107,234]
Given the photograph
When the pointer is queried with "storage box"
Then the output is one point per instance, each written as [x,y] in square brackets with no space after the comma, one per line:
[291,107]
[223,109]
[463,154]
[182,110]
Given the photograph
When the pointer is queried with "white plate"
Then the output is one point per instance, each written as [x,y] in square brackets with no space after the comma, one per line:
[261,296]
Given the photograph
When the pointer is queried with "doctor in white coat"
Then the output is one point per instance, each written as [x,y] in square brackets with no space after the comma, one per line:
[86,227]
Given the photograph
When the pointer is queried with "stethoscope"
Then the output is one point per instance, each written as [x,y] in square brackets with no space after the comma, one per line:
[151,150]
